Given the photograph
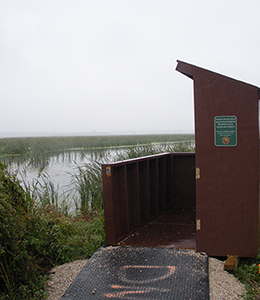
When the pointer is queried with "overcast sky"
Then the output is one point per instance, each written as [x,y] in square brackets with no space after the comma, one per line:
[105,66]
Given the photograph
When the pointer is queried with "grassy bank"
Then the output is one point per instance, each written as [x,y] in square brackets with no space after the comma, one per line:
[34,238]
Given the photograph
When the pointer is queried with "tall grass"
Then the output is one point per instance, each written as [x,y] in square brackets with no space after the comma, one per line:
[140,151]
[35,236]
[86,183]
[85,186]
[41,189]
[44,145]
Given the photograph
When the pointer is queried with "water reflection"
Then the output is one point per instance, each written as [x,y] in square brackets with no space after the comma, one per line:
[61,166]
[54,171]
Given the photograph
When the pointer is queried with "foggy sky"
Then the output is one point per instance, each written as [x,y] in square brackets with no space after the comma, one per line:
[106,66]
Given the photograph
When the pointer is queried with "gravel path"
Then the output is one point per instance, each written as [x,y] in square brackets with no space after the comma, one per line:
[223,285]
[62,276]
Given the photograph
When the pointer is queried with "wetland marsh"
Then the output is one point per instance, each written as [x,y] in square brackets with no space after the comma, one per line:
[53,169]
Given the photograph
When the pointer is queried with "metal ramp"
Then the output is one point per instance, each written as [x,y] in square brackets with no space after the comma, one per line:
[142,273]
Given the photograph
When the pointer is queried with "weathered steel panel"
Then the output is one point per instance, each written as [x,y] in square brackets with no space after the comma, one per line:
[227,185]
[108,197]
[120,201]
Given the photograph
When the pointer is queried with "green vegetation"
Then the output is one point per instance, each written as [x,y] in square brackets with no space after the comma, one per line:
[34,238]
[45,145]
[87,183]
[38,151]
[248,273]
[139,151]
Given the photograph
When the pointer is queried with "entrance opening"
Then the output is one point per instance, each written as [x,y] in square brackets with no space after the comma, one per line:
[174,228]
[151,201]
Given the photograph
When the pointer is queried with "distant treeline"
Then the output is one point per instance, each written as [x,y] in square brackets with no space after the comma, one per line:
[27,146]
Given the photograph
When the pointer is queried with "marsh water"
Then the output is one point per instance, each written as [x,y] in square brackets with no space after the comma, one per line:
[62,166]
[59,168]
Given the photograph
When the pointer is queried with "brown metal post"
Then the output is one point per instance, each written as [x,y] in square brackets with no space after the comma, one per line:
[107,179]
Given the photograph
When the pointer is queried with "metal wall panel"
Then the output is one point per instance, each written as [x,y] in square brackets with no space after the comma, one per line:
[227,185]
[136,191]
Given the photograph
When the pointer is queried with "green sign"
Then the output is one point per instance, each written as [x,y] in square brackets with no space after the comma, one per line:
[225,128]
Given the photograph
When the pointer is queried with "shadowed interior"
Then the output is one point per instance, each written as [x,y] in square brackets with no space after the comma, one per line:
[151,201]
[175,228]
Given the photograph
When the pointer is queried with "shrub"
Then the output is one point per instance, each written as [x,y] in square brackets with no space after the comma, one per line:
[19,269]
[33,239]
[248,273]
